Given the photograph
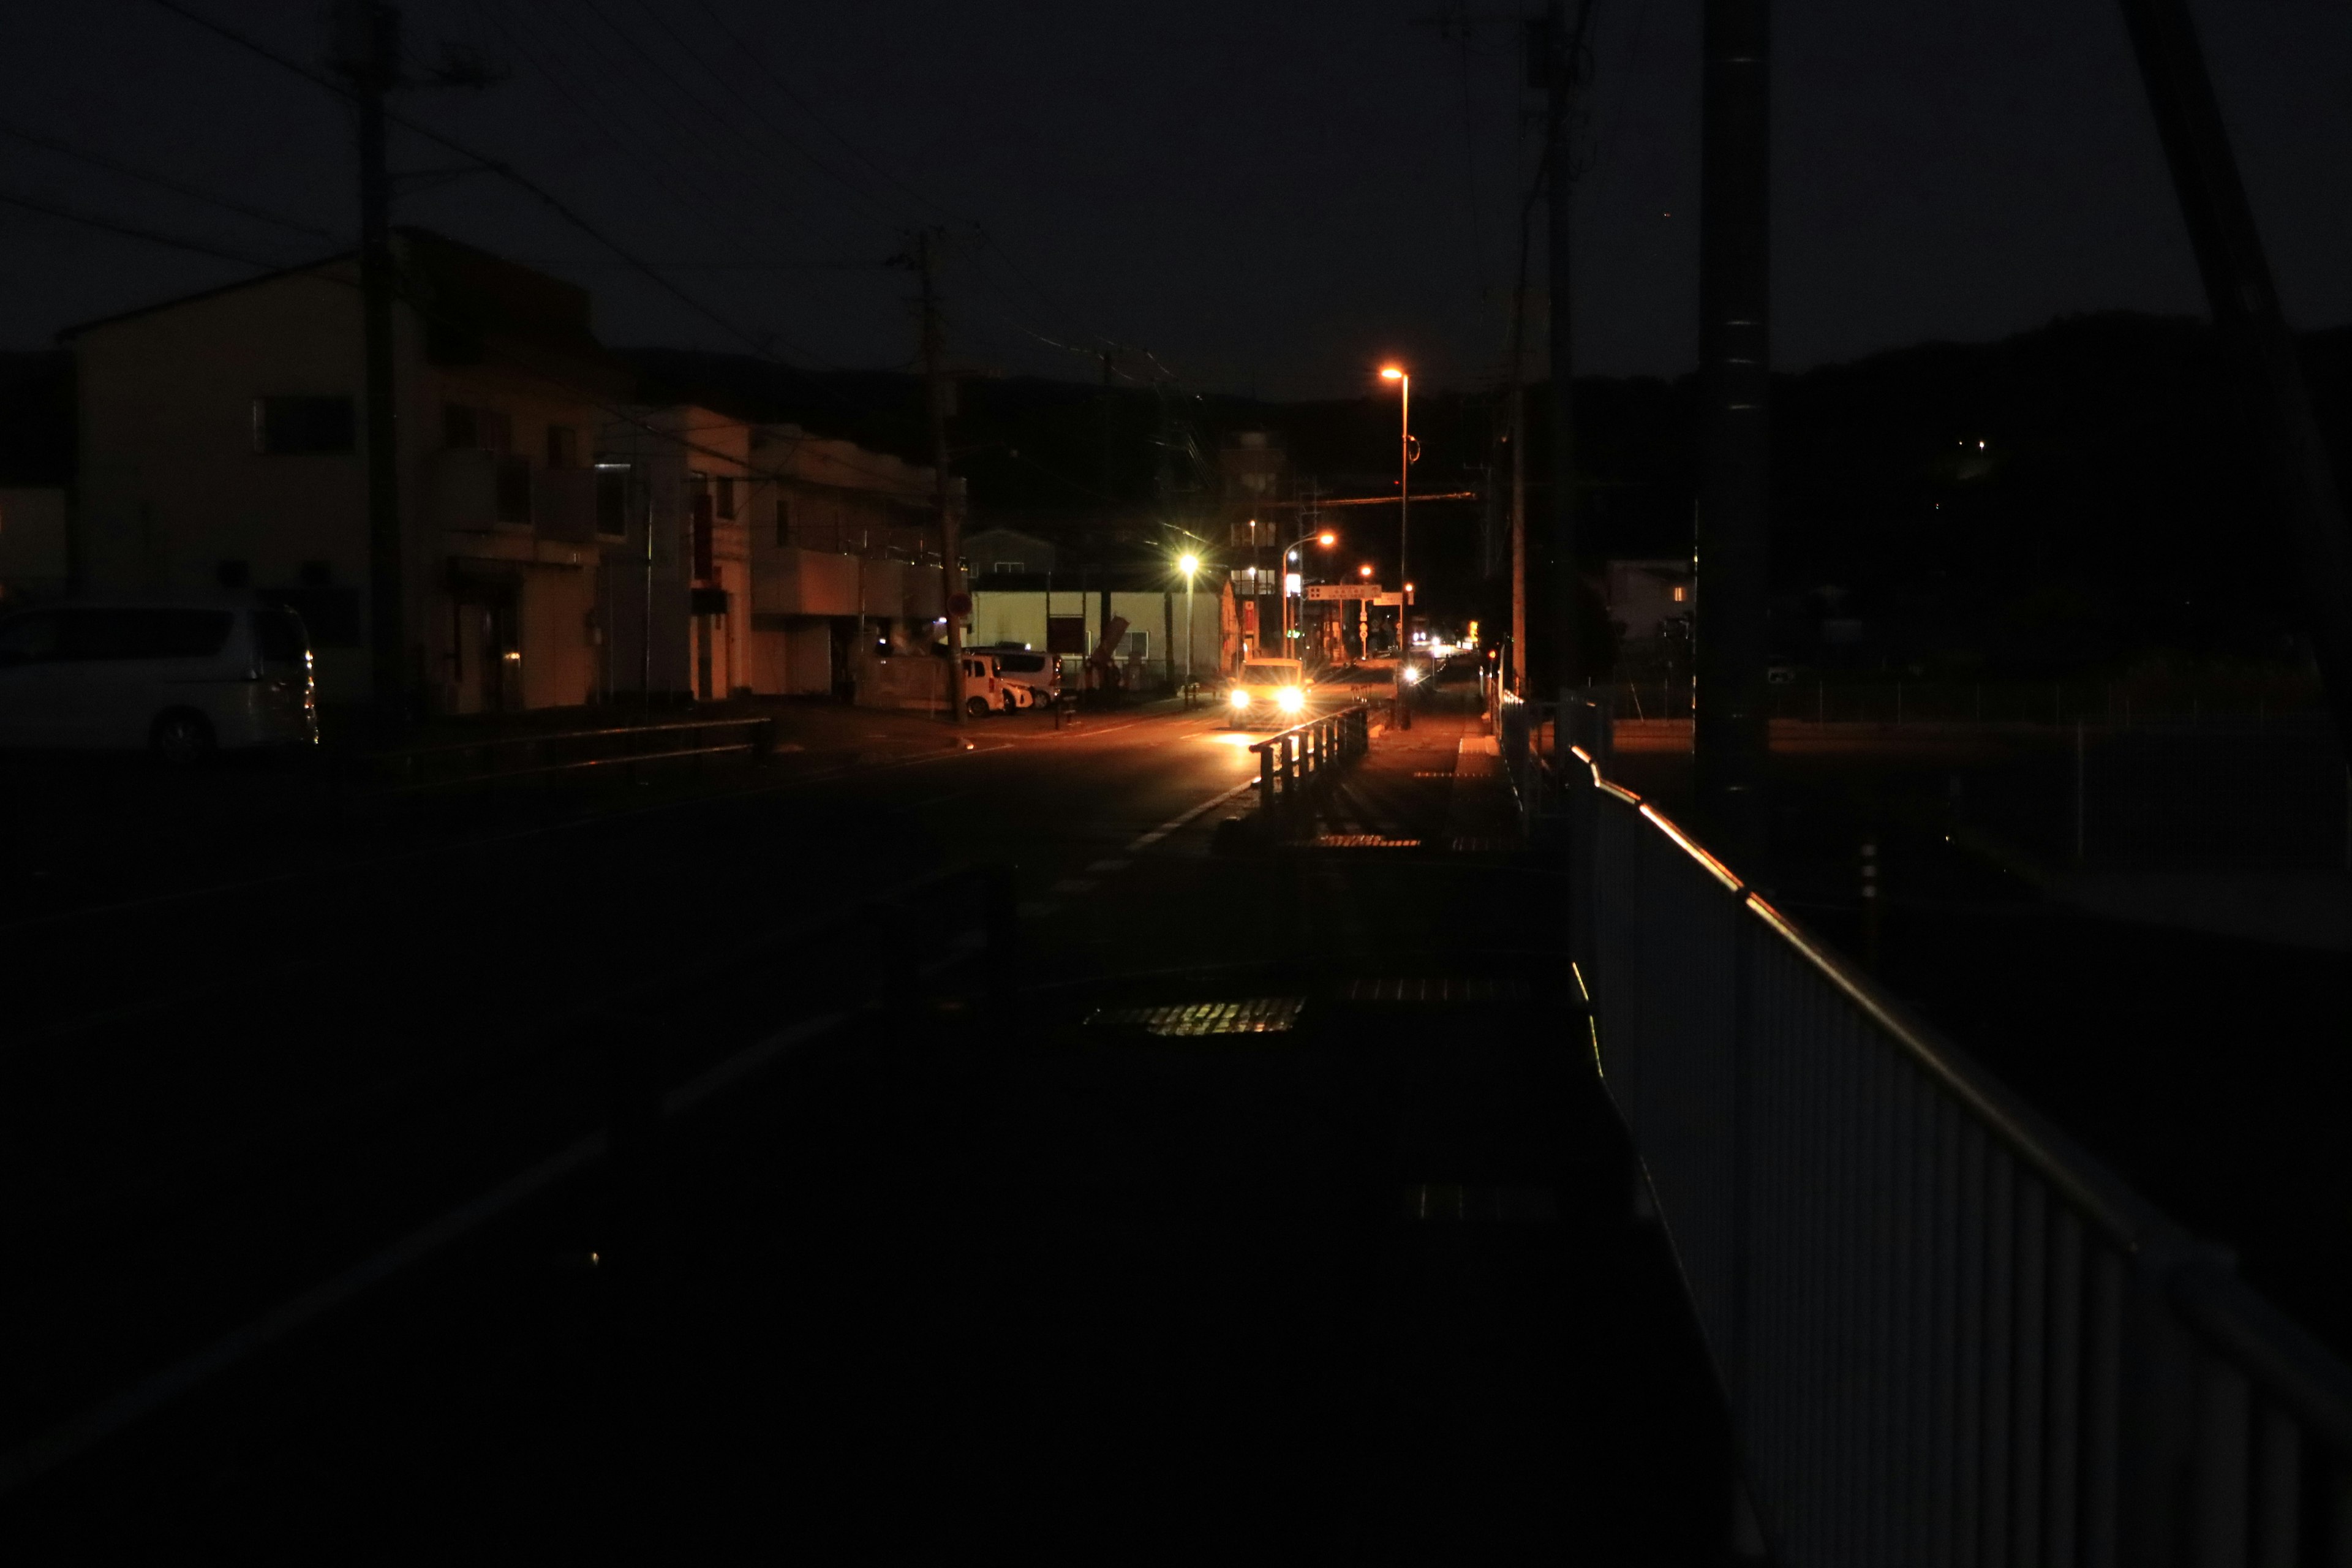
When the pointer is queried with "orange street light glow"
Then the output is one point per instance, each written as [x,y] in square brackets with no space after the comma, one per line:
[1363,571]
[1329,540]
[1391,372]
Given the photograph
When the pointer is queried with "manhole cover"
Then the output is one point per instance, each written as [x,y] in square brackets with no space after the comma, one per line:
[1253,1016]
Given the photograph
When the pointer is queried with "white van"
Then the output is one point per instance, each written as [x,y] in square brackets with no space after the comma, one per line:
[178,679]
[1038,675]
[983,689]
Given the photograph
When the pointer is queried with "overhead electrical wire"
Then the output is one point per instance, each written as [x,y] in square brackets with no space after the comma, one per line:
[134,231]
[161,182]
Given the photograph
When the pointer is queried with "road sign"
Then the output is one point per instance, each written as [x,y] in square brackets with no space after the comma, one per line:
[1397,599]
[1343,591]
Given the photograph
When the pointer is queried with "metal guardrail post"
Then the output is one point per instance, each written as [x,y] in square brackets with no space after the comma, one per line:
[1289,767]
[1265,776]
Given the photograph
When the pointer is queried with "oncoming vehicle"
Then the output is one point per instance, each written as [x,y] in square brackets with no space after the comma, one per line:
[1267,691]
[180,681]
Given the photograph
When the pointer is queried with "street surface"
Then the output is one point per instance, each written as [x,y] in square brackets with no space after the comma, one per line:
[316,1237]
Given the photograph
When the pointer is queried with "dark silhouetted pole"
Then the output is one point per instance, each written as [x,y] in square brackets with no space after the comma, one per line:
[1564,45]
[368,44]
[935,386]
[1730,740]
[2245,302]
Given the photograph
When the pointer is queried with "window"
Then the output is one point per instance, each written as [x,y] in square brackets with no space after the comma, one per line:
[26,639]
[484,429]
[277,636]
[514,490]
[612,502]
[1679,591]
[783,519]
[1065,634]
[233,574]
[1138,645]
[722,492]
[1006,566]
[562,447]
[98,634]
[303,426]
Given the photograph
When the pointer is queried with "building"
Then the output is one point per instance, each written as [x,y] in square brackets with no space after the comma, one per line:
[1009,552]
[563,542]
[37,458]
[220,446]
[1064,615]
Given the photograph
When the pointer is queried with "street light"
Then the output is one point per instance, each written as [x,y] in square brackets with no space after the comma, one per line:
[1403,379]
[1187,564]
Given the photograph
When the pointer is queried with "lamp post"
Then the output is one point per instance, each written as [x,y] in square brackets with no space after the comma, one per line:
[1327,539]
[1188,564]
[1403,379]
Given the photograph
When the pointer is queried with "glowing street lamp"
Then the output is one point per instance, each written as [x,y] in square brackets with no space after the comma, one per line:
[1403,379]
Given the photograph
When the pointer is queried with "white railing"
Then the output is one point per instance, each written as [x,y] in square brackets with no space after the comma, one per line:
[1945,1333]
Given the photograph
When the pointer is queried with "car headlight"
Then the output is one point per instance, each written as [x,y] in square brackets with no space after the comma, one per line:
[1292,700]
[1240,699]
[1411,676]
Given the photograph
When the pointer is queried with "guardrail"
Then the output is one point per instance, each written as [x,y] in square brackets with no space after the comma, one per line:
[498,760]
[1946,1334]
[1305,750]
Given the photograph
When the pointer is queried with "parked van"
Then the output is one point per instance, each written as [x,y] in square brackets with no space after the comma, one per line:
[177,679]
[1039,673]
[983,687]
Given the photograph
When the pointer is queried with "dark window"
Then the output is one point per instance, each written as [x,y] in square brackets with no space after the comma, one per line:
[294,426]
[315,574]
[708,601]
[277,634]
[783,519]
[460,425]
[1065,634]
[103,634]
[234,573]
[514,490]
[612,502]
[1022,663]
[723,490]
[26,639]
[703,567]
[329,615]
[562,447]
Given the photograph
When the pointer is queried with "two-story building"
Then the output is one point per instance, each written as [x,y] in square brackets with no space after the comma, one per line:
[221,447]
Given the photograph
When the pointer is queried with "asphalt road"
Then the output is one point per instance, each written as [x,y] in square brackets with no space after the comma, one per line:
[232,1115]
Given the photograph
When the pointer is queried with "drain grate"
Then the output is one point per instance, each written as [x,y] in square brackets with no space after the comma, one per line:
[1447,1203]
[1252,1015]
[1363,841]
[1434,988]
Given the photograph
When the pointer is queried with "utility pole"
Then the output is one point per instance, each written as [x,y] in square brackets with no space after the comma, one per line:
[367,44]
[935,385]
[1564,47]
[1729,742]
[2253,330]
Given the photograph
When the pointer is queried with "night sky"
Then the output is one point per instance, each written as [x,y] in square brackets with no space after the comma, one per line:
[1264,198]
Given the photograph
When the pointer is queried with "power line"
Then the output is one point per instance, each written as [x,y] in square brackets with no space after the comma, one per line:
[133,231]
[161,182]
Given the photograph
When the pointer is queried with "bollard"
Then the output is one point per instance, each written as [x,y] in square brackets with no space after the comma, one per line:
[1265,776]
[1289,766]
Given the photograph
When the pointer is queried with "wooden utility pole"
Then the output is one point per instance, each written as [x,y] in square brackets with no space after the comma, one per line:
[935,385]
[1563,48]
[1729,742]
[2245,302]
[368,50]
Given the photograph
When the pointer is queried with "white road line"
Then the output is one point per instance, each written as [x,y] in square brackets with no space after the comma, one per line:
[1144,841]
[102,1420]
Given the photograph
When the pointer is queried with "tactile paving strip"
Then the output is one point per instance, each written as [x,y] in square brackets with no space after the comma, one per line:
[1251,1015]
[1434,988]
